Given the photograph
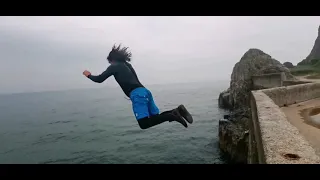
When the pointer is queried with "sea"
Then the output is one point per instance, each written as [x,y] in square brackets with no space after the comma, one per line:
[97,126]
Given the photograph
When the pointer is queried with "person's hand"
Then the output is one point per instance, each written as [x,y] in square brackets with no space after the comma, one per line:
[86,73]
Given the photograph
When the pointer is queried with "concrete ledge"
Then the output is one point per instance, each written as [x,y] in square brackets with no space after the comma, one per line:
[267,80]
[290,83]
[281,141]
[283,96]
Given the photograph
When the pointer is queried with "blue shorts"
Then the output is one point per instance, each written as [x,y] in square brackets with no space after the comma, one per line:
[143,104]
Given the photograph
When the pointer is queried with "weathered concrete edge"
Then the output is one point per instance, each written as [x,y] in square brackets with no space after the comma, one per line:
[267,80]
[283,96]
[293,82]
[256,153]
[278,136]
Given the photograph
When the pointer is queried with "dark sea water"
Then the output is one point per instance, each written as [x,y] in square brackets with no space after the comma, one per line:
[98,126]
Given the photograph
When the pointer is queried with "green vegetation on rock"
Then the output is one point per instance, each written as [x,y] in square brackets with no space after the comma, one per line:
[314,55]
[315,62]
[312,69]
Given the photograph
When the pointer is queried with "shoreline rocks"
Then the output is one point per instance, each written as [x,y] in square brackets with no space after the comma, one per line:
[233,131]
[225,100]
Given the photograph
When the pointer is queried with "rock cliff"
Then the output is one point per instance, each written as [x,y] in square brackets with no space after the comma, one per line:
[315,52]
[288,65]
[253,62]
[233,131]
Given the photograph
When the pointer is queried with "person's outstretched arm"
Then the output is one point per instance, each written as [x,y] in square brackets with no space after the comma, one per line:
[102,77]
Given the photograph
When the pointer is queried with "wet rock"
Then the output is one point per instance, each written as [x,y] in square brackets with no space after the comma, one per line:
[233,140]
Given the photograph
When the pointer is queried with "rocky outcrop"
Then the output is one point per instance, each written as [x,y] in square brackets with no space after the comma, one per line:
[253,62]
[225,100]
[288,65]
[233,136]
[315,52]
[232,131]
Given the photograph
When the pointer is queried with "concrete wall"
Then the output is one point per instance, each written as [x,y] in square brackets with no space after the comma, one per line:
[272,138]
[268,80]
[255,147]
[293,94]
[290,83]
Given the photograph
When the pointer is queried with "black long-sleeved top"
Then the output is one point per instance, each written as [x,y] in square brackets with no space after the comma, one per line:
[124,75]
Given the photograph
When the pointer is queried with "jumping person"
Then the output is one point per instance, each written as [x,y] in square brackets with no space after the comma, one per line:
[143,105]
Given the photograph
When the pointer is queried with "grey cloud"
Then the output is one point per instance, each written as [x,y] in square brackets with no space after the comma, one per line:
[50,53]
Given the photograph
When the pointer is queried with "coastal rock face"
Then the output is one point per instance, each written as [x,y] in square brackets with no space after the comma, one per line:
[233,136]
[232,132]
[315,52]
[253,62]
[225,100]
[288,65]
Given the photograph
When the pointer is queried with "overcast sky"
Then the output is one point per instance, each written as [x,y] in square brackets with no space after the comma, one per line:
[50,53]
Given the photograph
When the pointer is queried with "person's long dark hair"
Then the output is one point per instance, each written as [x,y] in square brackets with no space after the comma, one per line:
[119,54]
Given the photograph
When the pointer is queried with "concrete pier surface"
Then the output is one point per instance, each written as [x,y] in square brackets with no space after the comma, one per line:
[284,126]
[299,116]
